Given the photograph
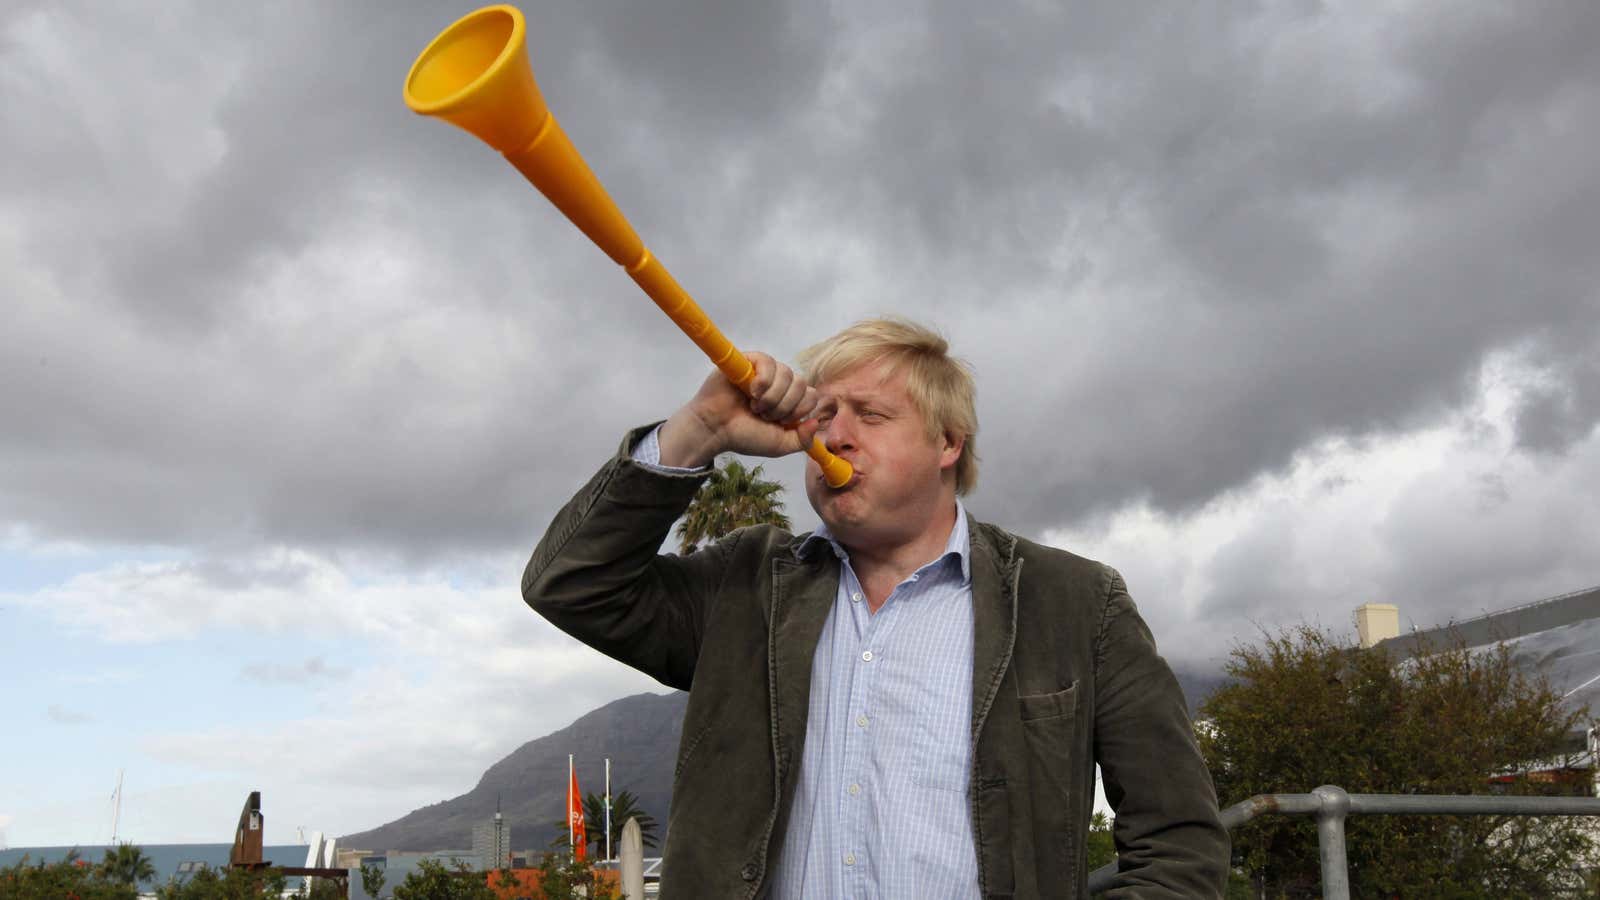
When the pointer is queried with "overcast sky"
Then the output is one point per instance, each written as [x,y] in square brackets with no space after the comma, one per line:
[1279,308]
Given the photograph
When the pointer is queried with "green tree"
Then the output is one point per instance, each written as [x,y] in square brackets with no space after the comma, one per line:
[69,877]
[733,497]
[127,864]
[432,881]
[323,889]
[225,884]
[1305,709]
[1102,848]
[563,878]
[624,806]
[372,879]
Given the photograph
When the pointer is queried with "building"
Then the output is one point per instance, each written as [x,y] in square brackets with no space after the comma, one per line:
[491,843]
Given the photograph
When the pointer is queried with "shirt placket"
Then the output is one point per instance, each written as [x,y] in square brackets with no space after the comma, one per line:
[870,633]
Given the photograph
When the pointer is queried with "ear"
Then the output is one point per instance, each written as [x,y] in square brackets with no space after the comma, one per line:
[951,452]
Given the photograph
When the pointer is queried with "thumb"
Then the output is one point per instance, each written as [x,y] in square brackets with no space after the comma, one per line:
[805,433]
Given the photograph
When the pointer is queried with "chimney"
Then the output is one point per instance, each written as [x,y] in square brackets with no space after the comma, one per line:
[1377,622]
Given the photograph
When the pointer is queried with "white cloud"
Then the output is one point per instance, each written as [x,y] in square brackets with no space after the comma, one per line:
[462,676]
[1447,522]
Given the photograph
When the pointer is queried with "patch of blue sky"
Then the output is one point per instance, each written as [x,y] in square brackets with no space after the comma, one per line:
[79,708]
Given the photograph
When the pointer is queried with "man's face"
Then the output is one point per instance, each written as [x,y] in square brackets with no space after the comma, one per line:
[869,420]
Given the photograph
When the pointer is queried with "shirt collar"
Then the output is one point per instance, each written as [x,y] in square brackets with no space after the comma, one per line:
[960,542]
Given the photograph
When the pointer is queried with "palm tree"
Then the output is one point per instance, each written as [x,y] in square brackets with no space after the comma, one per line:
[128,864]
[624,806]
[733,497]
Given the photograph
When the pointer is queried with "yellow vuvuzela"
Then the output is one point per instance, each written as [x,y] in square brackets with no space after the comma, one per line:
[476,75]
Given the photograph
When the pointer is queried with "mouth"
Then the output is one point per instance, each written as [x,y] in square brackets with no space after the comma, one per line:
[855,479]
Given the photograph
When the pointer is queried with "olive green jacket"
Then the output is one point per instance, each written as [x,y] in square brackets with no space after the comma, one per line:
[1065,675]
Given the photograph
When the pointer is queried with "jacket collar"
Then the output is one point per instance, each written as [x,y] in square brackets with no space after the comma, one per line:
[960,543]
[996,572]
[801,604]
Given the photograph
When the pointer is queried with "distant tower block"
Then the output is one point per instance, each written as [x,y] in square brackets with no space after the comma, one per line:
[491,843]
[1376,622]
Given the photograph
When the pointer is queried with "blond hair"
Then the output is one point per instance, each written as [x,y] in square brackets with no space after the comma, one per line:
[941,386]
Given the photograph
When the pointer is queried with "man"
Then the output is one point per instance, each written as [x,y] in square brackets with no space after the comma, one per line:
[907,703]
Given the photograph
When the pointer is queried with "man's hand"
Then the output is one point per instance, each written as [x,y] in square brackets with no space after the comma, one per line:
[772,421]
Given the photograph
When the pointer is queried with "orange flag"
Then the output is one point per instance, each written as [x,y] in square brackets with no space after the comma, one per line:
[575,828]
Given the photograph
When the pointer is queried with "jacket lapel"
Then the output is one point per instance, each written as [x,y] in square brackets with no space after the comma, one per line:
[995,571]
[803,592]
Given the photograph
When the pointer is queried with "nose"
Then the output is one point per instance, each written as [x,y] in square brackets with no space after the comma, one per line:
[838,436]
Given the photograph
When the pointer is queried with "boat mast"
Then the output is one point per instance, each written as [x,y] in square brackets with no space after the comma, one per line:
[116,807]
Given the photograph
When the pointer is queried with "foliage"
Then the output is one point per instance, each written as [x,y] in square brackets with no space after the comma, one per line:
[372,879]
[1305,709]
[323,889]
[1102,849]
[733,497]
[432,881]
[127,864]
[563,878]
[225,884]
[624,805]
[70,877]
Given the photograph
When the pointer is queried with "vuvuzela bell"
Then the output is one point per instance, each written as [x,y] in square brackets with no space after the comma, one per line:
[476,75]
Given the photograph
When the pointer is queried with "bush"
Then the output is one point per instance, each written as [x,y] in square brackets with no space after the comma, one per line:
[1304,709]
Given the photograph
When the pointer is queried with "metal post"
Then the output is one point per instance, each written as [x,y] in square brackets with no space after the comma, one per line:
[1330,806]
[1334,805]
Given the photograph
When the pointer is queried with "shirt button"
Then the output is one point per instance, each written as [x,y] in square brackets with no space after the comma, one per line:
[855,597]
[855,789]
[862,721]
[849,859]
[867,656]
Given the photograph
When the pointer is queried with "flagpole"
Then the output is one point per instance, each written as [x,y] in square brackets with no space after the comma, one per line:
[608,809]
[572,841]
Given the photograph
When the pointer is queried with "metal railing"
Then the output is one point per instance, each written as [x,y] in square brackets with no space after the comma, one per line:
[1330,805]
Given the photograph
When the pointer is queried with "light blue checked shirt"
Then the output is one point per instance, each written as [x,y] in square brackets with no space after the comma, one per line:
[880,811]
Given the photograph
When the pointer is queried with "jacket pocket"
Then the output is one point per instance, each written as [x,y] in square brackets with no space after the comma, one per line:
[1054,757]
[1045,706]
[686,748]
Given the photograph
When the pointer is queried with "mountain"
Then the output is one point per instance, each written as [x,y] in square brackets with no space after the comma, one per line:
[639,733]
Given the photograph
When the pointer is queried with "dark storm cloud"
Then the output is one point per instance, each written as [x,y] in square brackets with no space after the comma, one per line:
[1249,171]
[1557,414]
[1179,246]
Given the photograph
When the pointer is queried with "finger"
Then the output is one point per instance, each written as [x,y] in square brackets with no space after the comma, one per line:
[784,410]
[773,397]
[764,366]
[810,402]
[805,433]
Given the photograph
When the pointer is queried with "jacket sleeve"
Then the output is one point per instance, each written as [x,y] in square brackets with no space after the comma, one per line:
[1168,833]
[596,574]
